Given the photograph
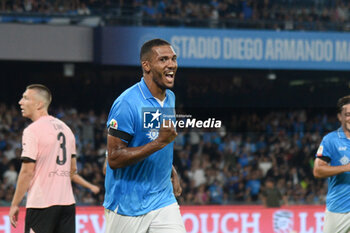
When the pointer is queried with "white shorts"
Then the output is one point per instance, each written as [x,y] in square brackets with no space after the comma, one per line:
[167,219]
[336,222]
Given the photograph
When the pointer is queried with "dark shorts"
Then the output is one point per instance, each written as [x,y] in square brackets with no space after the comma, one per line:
[54,219]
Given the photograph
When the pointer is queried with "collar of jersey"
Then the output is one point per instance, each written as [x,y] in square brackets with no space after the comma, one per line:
[341,133]
[144,89]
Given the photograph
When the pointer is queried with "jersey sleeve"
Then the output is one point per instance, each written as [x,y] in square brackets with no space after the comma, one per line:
[29,146]
[120,121]
[323,151]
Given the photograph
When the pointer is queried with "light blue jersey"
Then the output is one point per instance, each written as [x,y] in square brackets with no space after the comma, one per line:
[335,149]
[145,186]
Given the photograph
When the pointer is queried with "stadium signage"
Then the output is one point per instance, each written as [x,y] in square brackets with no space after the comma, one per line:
[229,48]
[205,219]
[257,49]
[250,222]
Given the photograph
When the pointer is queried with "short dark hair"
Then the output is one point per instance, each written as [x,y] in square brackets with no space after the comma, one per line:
[43,91]
[343,101]
[147,46]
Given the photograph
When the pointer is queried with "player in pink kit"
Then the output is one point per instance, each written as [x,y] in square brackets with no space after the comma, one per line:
[48,162]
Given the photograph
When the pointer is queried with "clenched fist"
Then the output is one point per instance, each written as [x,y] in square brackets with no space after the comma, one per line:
[167,133]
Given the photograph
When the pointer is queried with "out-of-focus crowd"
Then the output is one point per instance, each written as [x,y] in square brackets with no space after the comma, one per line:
[265,14]
[232,166]
[74,7]
[229,166]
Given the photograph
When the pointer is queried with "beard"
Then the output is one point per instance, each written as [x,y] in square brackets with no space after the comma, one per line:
[158,80]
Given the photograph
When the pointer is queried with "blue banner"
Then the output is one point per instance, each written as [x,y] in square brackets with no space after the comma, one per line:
[214,48]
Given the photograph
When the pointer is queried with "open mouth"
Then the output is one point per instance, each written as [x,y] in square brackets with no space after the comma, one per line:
[170,75]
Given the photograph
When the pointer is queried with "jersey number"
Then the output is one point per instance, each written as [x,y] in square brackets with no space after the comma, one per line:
[63,147]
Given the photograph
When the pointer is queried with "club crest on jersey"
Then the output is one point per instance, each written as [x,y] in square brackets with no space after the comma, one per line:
[152,134]
[344,160]
[113,124]
[320,151]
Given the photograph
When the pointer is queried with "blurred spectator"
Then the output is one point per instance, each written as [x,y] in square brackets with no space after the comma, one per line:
[253,186]
[10,176]
[197,173]
[201,196]
[216,193]
[265,164]
[149,10]
[83,9]
[271,195]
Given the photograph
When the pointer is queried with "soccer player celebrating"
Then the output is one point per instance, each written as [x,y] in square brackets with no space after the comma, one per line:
[139,194]
[48,162]
[332,161]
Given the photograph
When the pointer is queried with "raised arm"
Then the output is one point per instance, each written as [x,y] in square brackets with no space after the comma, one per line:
[119,155]
[322,169]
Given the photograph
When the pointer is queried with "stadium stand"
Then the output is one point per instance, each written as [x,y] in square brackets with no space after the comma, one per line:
[317,15]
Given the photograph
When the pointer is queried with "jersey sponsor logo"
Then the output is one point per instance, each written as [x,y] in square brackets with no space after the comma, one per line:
[320,150]
[342,148]
[59,173]
[344,160]
[113,124]
[283,221]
